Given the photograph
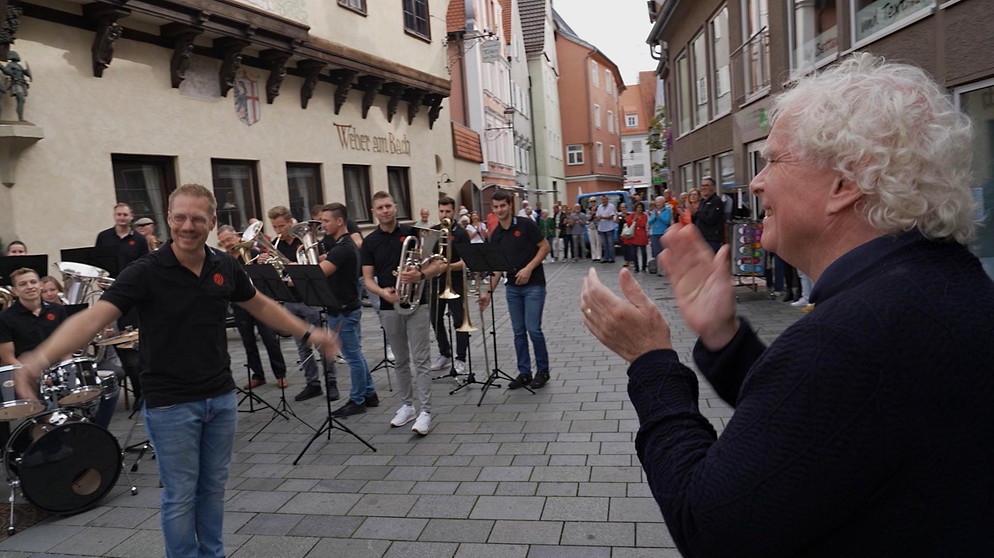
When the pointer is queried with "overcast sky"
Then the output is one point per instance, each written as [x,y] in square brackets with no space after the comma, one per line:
[617,28]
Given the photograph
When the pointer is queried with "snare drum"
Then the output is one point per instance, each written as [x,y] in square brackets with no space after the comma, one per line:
[13,408]
[109,387]
[72,382]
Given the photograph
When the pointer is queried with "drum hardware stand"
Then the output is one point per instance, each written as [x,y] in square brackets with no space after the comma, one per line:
[141,447]
[385,363]
[488,258]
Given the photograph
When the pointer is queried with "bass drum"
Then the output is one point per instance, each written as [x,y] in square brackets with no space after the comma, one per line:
[64,463]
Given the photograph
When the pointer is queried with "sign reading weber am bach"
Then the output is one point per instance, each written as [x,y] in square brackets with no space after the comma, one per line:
[351,139]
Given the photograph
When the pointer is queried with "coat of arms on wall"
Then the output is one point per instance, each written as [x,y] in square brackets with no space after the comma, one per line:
[247,105]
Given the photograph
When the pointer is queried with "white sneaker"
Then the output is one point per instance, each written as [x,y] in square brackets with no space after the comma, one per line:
[340,359]
[441,362]
[460,367]
[390,356]
[423,424]
[404,415]
[803,301]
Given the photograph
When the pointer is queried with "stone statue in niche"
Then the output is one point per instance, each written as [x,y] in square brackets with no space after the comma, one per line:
[19,77]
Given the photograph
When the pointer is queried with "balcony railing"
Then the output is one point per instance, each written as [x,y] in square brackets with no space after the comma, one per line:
[751,61]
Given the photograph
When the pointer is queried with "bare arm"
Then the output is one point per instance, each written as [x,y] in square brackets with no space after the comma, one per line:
[7,354]
[76,332]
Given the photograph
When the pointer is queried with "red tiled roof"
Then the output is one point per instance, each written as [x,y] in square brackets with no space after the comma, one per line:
[455,18]
[466,143]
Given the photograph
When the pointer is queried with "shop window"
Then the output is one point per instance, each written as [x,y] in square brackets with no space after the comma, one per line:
[399,181]
[144,183]
[977,102]
[883,16]
[236,187]
[815,35]
[304,185]
[358,198]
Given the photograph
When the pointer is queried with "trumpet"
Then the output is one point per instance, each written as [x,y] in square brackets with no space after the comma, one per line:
[446,244]
[412,256]
[467,325]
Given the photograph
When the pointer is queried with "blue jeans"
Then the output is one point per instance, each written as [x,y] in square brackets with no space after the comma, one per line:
[654,244]
[525,304]
[607,245]
[193,443]
[362,380]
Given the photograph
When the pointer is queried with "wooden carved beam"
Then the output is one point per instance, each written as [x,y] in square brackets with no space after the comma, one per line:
[182,37]
[231,59]
[104,19]
[275,60]
[343,79]
[394,91]
[434,101]
[371,86]
[414,98]
[311,70]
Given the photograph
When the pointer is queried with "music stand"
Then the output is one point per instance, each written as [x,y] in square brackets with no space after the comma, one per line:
[313,288]
[269,283]
[8,264]
[488,258]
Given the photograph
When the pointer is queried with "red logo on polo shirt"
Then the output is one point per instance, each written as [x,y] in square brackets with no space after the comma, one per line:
[517,233]
[218,279]
[403,239]
[50,317]
[131,243]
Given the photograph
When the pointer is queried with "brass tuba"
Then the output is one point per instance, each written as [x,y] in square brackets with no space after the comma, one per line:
[7,298]
[413,256]
[307,253]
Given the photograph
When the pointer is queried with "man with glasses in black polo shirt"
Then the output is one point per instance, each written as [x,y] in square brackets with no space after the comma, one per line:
[181,293]
[524,247]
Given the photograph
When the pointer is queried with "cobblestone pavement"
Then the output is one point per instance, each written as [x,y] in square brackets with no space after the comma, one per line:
[502,473]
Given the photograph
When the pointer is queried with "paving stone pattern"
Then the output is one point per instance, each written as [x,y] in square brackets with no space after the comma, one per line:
[503,474]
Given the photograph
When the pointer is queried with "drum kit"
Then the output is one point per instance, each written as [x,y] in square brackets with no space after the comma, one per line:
[56,456]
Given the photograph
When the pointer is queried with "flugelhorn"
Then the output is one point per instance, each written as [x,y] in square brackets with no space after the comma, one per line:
[446,244]
[466,326]
[412,256]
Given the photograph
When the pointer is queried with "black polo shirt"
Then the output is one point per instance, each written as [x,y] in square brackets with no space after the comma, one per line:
[382,251]
[458,235]
[289,249]
[344,282]
[129,248]
[20,326]
[519,244]
[183,345]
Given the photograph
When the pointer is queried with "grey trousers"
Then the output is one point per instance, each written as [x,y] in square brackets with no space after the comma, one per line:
[311,315]
[408,336]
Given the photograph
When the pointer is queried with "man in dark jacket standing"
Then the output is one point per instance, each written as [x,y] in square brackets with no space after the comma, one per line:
[710,216]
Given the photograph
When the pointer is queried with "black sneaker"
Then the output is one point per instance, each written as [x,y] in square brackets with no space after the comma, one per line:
[348,409]
[372,400]
[308,392]
[523,380]
[540,379]
[333,394]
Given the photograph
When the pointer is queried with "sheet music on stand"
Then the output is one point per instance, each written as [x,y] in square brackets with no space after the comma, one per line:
[269,283]
[312,287]
[9,264]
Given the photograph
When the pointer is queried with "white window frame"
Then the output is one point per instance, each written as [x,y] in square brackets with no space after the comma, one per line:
[631,120]
[927,9]
[574,154]
[597,116]
[614,155]
[610,121]
[721,76]
[595,73]
[600,153]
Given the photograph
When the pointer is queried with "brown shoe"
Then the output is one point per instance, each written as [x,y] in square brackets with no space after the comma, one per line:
[282,383]
[256,382]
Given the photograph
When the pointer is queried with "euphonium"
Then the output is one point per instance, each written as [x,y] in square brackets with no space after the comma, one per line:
[7,298]
[275,258]
[446,244]
[411,257]
[307,252]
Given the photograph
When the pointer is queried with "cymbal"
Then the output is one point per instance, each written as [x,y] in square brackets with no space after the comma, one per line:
[129,337]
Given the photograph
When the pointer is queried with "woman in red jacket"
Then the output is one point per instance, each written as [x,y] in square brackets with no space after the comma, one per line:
[641,239]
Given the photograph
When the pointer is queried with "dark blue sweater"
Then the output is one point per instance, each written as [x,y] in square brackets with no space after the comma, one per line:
[861,431]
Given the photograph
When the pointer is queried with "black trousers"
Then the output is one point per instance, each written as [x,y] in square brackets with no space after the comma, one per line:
[455,307]
[247,324]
